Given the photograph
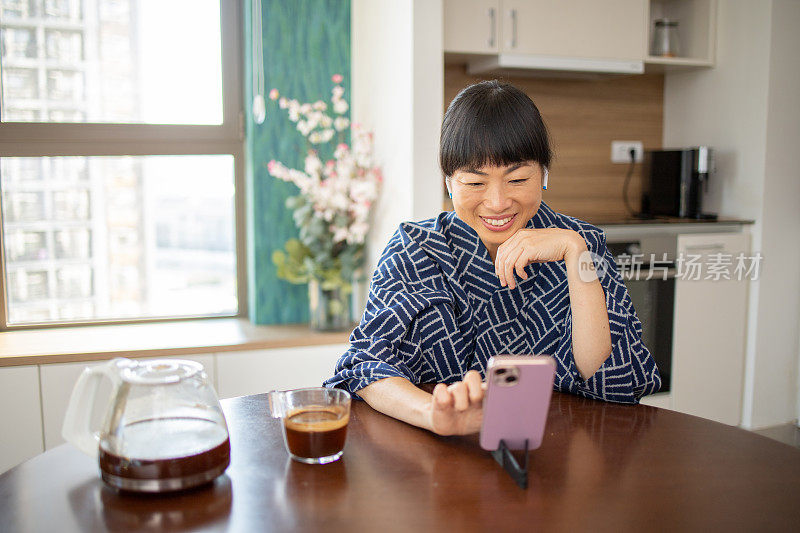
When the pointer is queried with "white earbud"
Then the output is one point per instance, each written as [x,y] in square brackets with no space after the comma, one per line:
[544,178]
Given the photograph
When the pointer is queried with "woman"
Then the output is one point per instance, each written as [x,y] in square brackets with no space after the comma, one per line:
[503,273]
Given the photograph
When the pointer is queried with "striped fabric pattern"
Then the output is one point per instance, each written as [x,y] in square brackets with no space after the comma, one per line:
[436,310]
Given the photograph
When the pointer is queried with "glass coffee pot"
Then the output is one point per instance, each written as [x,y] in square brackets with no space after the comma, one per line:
[163,429]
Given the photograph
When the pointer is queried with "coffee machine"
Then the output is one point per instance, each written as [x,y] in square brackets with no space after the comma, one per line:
[675,180]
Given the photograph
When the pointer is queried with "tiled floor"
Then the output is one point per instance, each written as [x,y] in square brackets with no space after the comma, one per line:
[787,433]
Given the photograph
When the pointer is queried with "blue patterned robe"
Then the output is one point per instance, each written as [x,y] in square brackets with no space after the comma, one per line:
[436,310]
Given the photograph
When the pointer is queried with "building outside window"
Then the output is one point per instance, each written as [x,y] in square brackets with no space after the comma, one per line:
[121,160]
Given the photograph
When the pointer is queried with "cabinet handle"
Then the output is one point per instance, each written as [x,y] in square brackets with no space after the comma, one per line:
[491,27]
[631,276]
[513,28]
[705,249]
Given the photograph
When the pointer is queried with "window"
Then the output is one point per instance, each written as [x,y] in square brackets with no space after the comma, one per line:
[121,160]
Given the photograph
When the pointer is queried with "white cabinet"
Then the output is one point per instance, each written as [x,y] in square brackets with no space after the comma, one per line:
[20,416]
[606,29]
[57,383]
[472,26]
[591,35]
[709,330]
[614,36]
[254,372]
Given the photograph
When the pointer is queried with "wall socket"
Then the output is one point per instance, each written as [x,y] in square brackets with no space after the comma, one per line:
[620,151]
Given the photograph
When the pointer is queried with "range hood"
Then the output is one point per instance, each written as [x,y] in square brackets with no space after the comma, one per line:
[533,65]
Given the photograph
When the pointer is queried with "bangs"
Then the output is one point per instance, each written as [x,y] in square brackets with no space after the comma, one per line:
[492,124]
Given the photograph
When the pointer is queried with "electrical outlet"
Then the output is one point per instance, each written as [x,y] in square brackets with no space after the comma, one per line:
[620,151]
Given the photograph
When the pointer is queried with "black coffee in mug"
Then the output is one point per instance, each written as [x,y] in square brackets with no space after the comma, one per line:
[316,431]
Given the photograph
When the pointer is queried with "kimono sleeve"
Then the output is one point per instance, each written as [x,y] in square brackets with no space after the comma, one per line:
[630,371]
[385,343]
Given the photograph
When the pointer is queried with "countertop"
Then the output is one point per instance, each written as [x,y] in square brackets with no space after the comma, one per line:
[628,221]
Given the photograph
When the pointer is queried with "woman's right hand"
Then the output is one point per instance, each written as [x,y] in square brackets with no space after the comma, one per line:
[457,409]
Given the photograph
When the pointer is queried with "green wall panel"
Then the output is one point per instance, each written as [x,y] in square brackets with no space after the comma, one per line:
[305,43]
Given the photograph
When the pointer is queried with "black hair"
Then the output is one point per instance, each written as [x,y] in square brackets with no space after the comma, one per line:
[492,123]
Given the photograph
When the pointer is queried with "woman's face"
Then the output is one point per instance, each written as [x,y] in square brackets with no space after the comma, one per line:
[497,201]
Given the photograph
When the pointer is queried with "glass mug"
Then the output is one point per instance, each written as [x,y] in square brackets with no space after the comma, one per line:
[314,422]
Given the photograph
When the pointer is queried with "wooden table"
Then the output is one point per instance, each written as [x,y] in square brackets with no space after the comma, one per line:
[601,467]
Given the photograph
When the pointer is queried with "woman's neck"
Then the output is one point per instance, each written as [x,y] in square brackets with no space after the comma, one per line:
[492,249]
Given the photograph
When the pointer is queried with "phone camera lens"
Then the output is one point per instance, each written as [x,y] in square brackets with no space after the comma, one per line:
[511,379]
[500,371]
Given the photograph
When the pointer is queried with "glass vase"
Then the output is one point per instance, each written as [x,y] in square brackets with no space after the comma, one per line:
[329,310]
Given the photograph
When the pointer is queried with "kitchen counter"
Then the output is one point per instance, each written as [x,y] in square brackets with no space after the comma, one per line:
[628,221]
[629,228]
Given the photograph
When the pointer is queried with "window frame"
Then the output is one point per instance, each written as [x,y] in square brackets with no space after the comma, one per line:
[30,139]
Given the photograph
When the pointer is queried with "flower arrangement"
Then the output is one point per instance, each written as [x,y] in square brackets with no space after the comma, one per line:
[336,197]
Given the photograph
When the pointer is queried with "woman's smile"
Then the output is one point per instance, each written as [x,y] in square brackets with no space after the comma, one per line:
[501,223]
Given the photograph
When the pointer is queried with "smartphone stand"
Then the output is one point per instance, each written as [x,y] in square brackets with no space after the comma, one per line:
[506,459]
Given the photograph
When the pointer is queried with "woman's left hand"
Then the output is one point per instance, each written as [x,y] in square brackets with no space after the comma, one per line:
[528,246]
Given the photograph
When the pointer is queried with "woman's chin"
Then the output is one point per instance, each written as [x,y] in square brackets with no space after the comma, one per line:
[495,238]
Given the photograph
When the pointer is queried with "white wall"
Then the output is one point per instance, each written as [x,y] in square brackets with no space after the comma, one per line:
[747,109]
[428,104]
[775,376]
[725,107]
[398,92]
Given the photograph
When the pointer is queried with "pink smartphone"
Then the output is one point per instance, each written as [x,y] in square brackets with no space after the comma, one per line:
[517,400]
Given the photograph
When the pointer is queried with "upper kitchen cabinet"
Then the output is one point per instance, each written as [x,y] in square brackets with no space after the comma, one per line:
[519,37]
[566,35]
[472,26]
[692,34]
[592,29]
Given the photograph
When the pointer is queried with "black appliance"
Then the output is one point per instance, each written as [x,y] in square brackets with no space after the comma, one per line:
[675,180]
[651,286]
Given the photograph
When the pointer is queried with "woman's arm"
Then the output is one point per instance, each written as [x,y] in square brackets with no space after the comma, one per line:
[600,314]
[451,410]
[591,334]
